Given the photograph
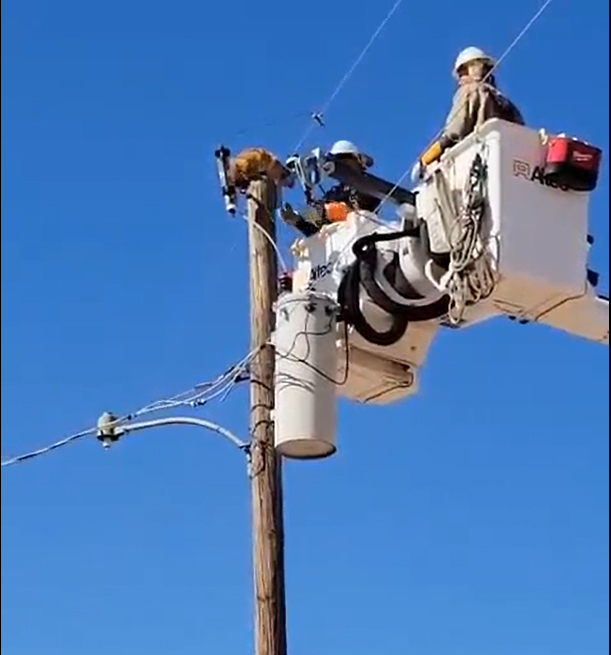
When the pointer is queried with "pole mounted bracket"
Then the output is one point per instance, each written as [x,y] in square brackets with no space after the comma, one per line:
[223,156]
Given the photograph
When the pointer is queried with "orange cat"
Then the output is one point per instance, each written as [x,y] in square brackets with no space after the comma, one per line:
[254,163]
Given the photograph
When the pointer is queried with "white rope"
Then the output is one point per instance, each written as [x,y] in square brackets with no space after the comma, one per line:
[272,241]
[345,79]
[470,277]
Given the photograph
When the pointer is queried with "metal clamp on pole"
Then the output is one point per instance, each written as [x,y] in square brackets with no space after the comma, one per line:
[228,189]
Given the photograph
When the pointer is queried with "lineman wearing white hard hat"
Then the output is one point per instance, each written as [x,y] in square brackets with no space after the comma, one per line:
[476,101]
[352,156]
[347,150]
[337,203]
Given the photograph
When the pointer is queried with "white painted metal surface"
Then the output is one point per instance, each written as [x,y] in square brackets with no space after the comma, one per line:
[376,375]
[536,234]
[306,369]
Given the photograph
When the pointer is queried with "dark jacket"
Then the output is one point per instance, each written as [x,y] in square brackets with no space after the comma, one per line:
[342,193]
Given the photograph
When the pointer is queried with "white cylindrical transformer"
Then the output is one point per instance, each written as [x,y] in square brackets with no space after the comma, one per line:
[306,371]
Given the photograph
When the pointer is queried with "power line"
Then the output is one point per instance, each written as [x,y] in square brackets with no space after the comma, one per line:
[197,396]
[526,28]
[319,115]
[47,449]
[204,393]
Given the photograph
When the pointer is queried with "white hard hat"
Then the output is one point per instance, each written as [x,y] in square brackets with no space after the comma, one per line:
[344,148]
[471,54]
[348,148]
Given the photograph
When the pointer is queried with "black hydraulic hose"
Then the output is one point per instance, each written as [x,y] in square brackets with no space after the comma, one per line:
[374,238]
[349,295]
[362,272]
[367,255]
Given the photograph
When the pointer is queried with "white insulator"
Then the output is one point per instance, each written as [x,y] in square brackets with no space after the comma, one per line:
[306,370]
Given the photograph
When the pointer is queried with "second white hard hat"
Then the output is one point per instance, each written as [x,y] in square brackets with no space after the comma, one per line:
[471,54]
[344,148]
[348,148]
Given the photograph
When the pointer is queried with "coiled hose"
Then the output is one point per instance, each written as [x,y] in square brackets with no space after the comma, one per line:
[362,273]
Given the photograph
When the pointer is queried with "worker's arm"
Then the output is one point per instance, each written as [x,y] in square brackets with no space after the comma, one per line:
[459,124]
[462,117]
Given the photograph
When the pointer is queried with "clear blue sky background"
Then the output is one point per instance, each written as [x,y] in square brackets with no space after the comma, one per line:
[471,520]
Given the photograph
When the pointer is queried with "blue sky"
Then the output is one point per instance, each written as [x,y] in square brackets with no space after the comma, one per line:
[471,520]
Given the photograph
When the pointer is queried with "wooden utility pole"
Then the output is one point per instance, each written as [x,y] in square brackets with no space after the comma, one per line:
[266,469]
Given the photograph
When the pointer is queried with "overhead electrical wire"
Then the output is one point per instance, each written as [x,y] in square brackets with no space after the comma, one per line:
[319,116]
[9,461]
[204,393]
[197,396]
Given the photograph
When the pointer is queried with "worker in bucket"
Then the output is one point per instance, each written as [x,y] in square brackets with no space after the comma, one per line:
[341,199]
[476,101]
